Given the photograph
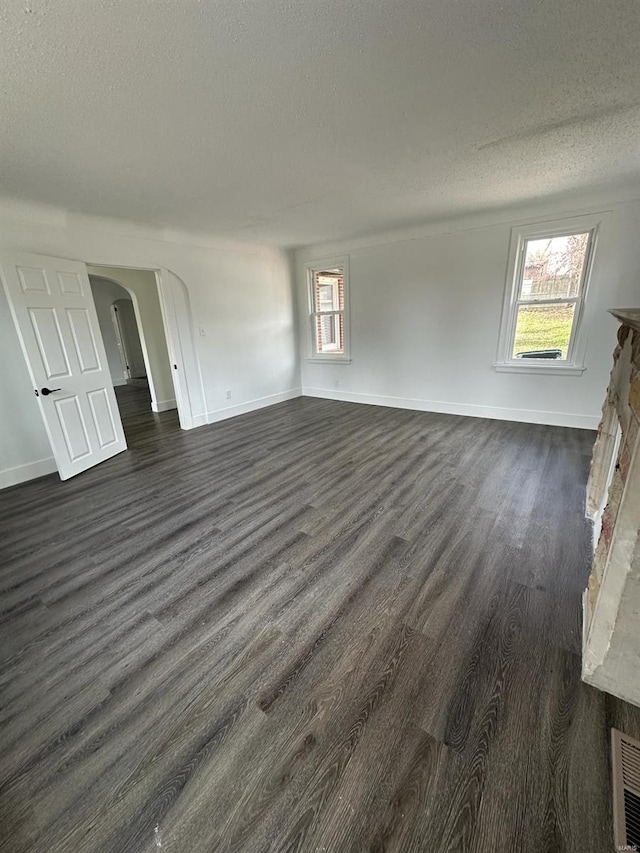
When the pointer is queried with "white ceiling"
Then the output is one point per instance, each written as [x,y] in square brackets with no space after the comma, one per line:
[298,121]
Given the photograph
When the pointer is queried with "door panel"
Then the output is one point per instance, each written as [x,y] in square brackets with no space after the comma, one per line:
[33,281]
[50,344]
[83,339]
[73,427]
[70,283]
[102,417]
[54,314]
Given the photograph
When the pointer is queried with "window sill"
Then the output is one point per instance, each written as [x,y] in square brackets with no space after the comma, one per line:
[329,359]
[548,369]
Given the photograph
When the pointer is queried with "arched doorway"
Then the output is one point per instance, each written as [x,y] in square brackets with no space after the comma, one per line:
[132,327]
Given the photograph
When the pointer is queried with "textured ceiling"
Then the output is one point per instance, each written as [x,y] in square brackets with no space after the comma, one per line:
[295,121]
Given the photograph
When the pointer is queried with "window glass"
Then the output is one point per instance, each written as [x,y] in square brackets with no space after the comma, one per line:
[329,306]
[553,267]
[326,300]
[543,331]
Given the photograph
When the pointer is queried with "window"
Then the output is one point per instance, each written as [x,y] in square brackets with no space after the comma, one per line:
[548,277]
[328,310]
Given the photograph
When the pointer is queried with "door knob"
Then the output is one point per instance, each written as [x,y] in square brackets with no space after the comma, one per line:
[46,391]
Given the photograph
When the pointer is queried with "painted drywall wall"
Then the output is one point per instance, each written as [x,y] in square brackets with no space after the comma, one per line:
[143,286]
[239,295]
[425,317]
[105,293]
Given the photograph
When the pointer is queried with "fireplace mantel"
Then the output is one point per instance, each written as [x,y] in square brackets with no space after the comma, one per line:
[627,316]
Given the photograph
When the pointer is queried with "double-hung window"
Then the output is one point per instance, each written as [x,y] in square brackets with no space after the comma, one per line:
[548,280]
[328,311]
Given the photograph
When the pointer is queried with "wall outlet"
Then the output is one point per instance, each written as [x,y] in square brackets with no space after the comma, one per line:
[227,394]
[202,331]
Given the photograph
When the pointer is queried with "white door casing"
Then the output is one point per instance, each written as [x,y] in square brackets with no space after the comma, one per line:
[55,317]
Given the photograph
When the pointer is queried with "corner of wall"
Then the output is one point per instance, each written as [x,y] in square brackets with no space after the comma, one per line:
[295,309]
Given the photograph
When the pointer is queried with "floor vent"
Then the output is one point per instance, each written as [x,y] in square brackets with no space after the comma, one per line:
[625,753]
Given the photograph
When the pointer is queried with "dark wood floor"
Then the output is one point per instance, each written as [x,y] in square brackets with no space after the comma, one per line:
[317,627]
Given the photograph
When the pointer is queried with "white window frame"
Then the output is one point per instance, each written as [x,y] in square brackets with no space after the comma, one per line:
[310,269]
[574,362]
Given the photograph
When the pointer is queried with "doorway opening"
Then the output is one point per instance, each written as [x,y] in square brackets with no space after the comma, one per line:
[131,323]
[56,322]
[128,342]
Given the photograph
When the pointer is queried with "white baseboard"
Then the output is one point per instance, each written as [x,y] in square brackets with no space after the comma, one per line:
[164,405]
[22,473]
[528,416]
[252,405]
[117,383]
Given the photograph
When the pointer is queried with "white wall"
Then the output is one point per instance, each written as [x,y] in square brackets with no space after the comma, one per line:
[142,284]
[425,317]
[425,304]
[240,296]
[105,293]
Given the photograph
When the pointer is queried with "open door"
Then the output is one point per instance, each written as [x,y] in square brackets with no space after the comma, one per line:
[55,317]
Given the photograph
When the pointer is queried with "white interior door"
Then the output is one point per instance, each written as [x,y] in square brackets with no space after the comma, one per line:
[55,316]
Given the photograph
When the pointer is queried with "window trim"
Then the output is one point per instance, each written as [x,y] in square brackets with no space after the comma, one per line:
[574,363]
[309,269]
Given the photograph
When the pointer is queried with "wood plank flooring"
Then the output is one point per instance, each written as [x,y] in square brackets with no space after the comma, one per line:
[316,627]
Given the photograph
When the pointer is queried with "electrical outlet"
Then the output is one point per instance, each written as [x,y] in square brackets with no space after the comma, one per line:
[228,394]
[202,331]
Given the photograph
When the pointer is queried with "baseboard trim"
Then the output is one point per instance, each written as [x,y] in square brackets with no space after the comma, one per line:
[164,405]
[30,471]
[252,405]
[529,416]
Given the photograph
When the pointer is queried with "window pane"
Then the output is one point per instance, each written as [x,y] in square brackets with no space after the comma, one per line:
[330,334]
[325,297]
[553,266]
[329,290]
[328,327]
[543,331]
